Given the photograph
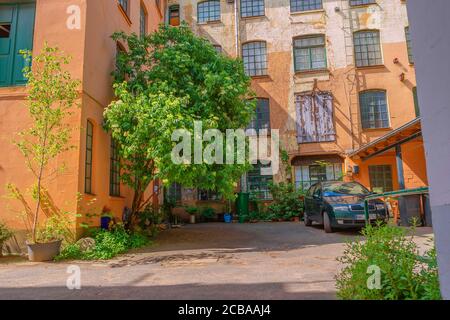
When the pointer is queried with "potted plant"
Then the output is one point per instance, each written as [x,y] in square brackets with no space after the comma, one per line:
[192,211]
[51,95]
[5,234]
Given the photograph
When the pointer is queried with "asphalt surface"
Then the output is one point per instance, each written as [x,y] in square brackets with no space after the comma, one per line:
[202,261]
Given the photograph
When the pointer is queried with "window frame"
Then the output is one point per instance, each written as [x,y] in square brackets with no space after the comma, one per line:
[143,20]
[309,48]
[372,173]
[256,124]
[369,65]
[298,3]
[409,46]
[258,72]
[88,162]
[209,3]
[337,167]
[114,170]
[373,91]
[174,8]
[257,179]
[253,15]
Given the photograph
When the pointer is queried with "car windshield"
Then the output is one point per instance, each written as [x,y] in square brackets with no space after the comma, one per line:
[334,189]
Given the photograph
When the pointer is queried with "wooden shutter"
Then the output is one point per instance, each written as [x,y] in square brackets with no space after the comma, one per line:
[24,40]
[324,117]
[306,128]
[7,21]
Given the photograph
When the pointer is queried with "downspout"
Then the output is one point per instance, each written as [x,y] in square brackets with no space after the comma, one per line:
[236,25]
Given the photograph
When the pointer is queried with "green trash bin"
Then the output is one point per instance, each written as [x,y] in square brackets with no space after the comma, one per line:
[242,204]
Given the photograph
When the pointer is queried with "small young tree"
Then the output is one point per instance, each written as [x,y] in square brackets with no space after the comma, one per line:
[51,94]
[166,81]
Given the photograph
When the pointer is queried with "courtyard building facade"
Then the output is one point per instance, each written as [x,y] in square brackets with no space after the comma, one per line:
[333,76]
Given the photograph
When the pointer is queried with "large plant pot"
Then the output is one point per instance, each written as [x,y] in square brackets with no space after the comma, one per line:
[40,252]
[192,219]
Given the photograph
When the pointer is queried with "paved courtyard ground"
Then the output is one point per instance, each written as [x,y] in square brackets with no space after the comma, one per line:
[203,261]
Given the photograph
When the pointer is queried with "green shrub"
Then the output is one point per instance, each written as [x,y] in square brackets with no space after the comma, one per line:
[108,244]
[404,275]
[208,213]
[5,233]
[287,201]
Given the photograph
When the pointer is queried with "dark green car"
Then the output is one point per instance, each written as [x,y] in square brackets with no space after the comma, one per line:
[339,205]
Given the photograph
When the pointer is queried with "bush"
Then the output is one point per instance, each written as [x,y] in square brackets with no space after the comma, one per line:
[5,234]
[287,201]
[108,244]
[404,274]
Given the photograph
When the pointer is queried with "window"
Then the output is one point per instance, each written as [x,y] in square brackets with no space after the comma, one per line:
[143,21]
[88,162]
[254,55]
[374,109]
[416,102]
[367,48]
[258,184]
[175,192]
[381,178]
[114,176]
[16,34]
[309,53]
[252,8]
[308,174]
[208,195]
[305,5]
[262,117]
[315,117]
[208,11]
[174,15]
[125,4]
[408,45]
[361,2]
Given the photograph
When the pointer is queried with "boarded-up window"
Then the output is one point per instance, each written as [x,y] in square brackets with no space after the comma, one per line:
[315,118]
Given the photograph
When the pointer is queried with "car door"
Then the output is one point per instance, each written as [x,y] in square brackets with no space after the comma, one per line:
[317,203]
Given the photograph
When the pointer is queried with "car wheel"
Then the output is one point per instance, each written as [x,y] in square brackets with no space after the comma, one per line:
[327,223]
[307,220]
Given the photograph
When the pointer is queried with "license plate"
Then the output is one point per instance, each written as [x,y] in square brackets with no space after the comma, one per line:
[372,216]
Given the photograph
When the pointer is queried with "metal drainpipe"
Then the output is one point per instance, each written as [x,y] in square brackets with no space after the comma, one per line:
[236,24]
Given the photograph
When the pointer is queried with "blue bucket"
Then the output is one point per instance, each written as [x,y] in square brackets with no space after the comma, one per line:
[104,222]
[227,217]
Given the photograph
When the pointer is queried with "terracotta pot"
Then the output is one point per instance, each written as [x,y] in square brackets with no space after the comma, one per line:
[40,252]
[296,219]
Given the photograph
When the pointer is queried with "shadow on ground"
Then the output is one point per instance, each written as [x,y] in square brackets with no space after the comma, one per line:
[232,291]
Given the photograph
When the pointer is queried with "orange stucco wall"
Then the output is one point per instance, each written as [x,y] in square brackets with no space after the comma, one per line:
[93,53]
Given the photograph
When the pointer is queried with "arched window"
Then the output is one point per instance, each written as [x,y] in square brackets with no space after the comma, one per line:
[254,55]
[374,109]
[208,11]
[367,48]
